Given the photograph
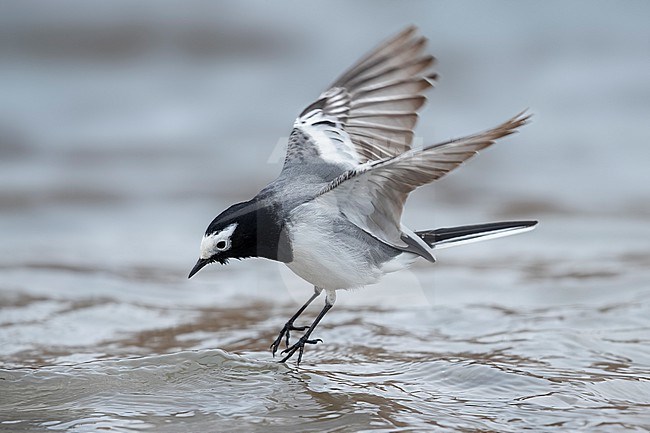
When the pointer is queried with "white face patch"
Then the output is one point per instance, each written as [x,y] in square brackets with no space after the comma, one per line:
[217,242]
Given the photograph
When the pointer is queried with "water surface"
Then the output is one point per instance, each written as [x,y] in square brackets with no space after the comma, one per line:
[124,130]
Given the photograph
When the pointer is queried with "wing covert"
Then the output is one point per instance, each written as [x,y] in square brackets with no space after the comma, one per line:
[372,195]
[369,112]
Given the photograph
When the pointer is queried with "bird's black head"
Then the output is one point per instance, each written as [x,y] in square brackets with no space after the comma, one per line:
[248,229]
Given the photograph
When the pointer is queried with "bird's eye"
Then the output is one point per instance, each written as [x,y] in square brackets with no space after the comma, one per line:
[221,245]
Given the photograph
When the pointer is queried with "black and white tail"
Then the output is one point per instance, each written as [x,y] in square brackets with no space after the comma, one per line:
[452,236]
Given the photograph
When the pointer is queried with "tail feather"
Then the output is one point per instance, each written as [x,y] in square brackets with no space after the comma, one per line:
[452,236]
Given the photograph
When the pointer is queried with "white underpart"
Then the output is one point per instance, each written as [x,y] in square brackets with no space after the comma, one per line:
[328,262]
[209,243]
[400,262]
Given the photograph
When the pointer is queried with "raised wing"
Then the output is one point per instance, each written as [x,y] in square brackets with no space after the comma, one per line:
[369,112]
[372,196]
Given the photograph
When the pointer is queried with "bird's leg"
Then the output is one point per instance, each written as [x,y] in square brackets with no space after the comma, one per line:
[288,327]
[300,344]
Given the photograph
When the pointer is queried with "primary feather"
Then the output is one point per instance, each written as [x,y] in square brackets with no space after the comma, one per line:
[370,111]
[372,196]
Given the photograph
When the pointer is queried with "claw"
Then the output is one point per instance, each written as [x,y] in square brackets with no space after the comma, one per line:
[285,334]
[298,346]
[293,328]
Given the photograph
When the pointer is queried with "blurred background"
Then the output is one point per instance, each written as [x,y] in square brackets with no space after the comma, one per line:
[125,127]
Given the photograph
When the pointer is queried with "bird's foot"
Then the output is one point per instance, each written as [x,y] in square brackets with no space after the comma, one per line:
[300,347]
[284,334]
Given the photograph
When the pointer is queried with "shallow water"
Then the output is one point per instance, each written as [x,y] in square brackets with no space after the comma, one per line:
[115,156]
[469,344]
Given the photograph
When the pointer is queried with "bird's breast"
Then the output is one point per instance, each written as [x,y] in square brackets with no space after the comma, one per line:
[332,253]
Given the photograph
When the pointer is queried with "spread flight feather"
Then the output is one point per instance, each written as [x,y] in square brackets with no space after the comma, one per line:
[363,125]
